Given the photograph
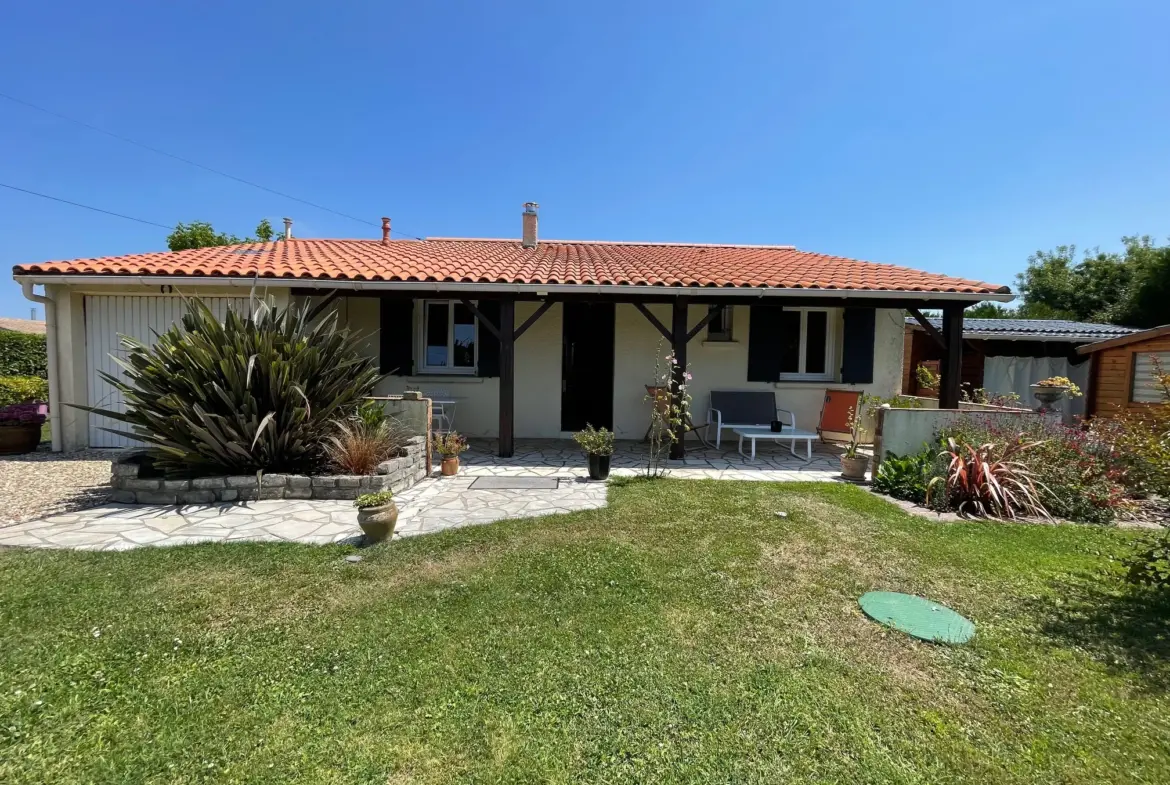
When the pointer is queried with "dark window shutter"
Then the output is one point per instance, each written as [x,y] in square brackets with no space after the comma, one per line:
[396,335]
[489,345]
[765,333]
[857,360]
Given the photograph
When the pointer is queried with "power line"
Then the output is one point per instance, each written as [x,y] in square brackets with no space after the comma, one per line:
[85,206]
[188,161]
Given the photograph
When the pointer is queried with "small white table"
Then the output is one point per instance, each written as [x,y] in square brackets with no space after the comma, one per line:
[791,435]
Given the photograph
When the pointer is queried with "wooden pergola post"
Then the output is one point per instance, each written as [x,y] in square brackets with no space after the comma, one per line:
[507,377]
[952,364]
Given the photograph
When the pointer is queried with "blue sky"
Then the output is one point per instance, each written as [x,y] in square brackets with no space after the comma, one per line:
[954,137]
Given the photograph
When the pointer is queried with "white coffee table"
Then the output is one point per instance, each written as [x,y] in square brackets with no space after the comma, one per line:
[791,435]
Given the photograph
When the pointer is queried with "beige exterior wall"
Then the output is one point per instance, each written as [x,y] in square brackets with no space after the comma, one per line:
[538,366]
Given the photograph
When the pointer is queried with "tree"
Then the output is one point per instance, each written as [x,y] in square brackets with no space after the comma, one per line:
[1129,289]
[200,234]
[989,310]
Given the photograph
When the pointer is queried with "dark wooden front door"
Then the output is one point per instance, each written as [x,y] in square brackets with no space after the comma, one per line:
[587,366]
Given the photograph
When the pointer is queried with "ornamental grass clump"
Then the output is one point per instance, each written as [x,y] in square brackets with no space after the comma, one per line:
[987,481]
[258,392]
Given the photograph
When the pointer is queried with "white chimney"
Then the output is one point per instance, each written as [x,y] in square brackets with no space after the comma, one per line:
[288,228]
[529,235]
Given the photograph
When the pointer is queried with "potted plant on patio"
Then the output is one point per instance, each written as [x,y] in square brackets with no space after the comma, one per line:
[598,446]
[449,445]
[852,464]
[377,515]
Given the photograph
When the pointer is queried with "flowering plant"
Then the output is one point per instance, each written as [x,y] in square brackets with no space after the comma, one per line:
[1061,381]
[21,414]
[449,444]
[670,408]
[926,378]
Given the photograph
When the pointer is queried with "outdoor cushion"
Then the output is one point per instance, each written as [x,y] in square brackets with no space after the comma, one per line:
[745,407]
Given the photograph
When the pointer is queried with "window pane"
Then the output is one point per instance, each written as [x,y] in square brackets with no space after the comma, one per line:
[437,334]
[464,337]
[789,347]
[816,330]
[1146,388]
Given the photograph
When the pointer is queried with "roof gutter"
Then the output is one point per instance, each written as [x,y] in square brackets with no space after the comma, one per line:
[447,286]
[51,360]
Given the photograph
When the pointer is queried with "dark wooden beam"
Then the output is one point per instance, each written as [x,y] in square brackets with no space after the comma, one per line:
[678,342]
[952,362]
[931,330]
[483,320]
[696,295]
[654,320]
[712,312]
[321,306]
[507,377]
[531,320]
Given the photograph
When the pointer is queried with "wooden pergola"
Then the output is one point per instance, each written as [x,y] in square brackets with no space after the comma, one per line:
[679,334]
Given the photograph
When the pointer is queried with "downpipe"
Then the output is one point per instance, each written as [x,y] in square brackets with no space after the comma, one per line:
[51,351]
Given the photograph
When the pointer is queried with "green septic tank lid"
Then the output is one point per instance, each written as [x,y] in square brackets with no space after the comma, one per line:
[917,616]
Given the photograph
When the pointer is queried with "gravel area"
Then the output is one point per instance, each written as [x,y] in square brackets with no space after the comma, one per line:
[45,483]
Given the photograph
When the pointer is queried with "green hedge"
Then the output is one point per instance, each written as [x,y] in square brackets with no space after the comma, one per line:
[22,354]
[23,389]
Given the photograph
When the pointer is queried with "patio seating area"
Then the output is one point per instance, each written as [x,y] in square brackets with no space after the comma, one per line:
[563,458]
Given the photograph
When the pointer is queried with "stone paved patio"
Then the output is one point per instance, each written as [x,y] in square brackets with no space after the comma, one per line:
[433,505]
[563,458]
[430,506]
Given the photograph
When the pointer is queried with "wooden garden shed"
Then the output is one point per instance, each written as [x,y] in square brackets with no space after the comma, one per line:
[1122,371]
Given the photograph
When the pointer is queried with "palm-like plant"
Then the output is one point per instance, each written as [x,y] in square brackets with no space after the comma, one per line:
[978,481]
[257,392]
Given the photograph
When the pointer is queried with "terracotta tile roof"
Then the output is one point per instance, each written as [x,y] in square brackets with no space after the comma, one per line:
[34,326]
[505,261]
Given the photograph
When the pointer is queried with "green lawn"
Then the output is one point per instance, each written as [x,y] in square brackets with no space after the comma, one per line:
[683,634]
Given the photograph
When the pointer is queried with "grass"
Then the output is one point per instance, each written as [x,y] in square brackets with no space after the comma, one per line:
[683,634]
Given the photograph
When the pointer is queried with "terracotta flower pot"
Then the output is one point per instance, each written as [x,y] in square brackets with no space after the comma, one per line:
[19,439]
[598,466]
[449,466]
[378,522]
[854,468]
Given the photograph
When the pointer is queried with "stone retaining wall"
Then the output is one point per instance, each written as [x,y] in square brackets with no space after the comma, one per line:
[396,475]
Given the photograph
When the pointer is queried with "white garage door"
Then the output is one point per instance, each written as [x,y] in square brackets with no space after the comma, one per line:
[107,317]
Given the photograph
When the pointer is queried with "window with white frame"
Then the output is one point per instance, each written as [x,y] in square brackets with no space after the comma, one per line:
[449,338]
[806,345]
[719,328]
[1146,386]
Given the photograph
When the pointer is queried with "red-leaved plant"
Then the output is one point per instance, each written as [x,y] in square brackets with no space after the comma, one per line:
[980,482]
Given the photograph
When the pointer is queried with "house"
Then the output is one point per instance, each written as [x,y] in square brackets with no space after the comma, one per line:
[1007,355]
[29,326]
[1122,373]
[535,338]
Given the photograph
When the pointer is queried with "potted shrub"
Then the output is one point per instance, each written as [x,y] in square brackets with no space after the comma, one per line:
[598,446]
[449,445]
[852,464]
[377,515]
[20,428]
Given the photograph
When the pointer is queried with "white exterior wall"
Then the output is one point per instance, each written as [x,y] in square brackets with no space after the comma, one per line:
[719,366]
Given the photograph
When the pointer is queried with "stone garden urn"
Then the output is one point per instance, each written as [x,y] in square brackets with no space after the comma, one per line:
[378,522]
[1048,395]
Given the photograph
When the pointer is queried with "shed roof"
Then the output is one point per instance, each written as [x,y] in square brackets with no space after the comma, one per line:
[1135,337]
[1033,329]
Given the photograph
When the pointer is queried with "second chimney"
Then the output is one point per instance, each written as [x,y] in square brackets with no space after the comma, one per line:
[385,231]
[287,228]
[528,239]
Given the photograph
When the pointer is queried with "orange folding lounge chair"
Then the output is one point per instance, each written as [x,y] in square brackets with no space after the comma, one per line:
[834,424]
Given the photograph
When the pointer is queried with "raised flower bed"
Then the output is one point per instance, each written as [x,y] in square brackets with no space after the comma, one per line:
[135,482]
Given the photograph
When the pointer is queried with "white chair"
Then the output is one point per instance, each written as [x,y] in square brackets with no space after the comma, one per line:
[441,419]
